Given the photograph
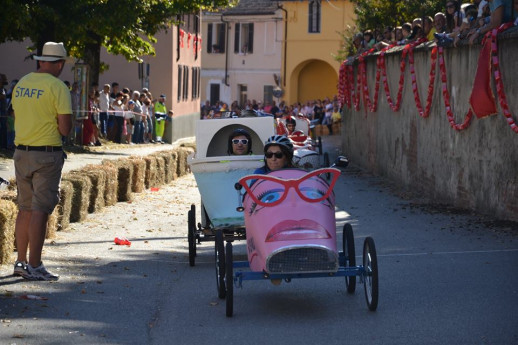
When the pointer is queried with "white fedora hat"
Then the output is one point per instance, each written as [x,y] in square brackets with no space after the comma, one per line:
[53,51]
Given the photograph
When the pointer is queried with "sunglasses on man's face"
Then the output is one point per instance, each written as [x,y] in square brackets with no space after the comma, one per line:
[277,154]
[450,6]
[237,141]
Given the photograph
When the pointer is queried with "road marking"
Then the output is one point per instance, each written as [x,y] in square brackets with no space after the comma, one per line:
[457,252]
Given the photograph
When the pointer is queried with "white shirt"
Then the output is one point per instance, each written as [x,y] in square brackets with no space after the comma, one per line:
[118,109]
[104,101]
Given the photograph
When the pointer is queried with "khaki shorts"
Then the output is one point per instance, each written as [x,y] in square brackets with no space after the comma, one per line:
[38,175]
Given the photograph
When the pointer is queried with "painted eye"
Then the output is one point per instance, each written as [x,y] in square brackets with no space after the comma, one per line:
[312,193]
[270,196]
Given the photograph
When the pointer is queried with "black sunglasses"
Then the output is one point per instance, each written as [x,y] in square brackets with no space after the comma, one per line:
[237,141]
[450,6]
[277,154]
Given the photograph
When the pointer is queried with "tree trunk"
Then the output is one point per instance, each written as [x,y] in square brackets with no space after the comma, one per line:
[92,57]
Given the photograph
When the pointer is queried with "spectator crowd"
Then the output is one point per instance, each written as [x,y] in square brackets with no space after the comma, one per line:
[121,116]
[320,112]
[460,21]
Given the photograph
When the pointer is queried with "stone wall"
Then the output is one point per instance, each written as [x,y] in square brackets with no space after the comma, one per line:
[182,126]
[476,168]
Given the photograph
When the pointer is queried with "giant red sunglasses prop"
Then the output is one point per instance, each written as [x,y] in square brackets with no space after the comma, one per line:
[288,208]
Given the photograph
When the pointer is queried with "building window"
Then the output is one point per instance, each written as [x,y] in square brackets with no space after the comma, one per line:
[314,16]
[214,93]
[268,94]
[179,91]
[244,38]
[195,83]
[216,38]
[185,92]
[243,95]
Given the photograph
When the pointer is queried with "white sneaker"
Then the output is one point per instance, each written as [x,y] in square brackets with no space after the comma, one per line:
[39,273]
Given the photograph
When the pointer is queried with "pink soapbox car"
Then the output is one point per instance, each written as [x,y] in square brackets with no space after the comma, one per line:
[291,233]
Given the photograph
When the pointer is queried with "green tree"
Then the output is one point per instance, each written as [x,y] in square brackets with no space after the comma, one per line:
[377,14]
[124,28]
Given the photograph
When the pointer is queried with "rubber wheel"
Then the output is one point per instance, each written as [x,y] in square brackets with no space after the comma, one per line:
[220,263]
[194,228]
[319,144]
[370,264]
[350,256]
[327,164]
[229,280]
[191,237]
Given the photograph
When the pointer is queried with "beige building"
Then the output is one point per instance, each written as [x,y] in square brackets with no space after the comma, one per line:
[174,71]
[242,52]
[293,40]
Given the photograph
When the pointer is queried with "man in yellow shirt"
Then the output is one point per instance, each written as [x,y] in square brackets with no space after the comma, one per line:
[43,110]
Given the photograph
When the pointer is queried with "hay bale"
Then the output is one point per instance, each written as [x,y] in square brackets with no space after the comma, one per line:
[174,166]
[151,170]
[124,175]
[11,195]
[160,170]
[111,183]
[169,166]
[81,196]
[139,174]
[12,184]
[64,207]
[8,213]
[189,145]
[182,166]
[52,223]
[98,178]
[181,158]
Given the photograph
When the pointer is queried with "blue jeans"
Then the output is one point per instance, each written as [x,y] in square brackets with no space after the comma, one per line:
[103,121]
[137,132]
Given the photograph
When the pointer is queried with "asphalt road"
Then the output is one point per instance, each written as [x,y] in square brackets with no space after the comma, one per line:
[445,278]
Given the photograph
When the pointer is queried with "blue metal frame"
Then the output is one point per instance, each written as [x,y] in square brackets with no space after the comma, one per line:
[343,271]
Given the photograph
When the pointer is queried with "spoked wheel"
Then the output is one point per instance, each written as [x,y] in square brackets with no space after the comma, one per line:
[229,280]
[327,164]
[191,234]
[350,255]
[220,263]
[370,264]
[319,145]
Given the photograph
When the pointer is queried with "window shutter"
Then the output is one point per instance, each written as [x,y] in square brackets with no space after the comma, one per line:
[209,38]
[250,38]
[222,35]
[179,91]
[236,38]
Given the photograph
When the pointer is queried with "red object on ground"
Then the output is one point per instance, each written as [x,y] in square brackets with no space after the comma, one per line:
[154,189]
[122,241]
[35,297]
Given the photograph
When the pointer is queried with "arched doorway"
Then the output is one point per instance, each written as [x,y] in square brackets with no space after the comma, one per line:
[315,79]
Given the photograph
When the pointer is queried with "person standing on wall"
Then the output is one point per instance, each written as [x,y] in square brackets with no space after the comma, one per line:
[43,113]
[160,118]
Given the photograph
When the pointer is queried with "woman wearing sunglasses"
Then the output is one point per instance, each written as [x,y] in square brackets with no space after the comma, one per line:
[278,154]
[239,143]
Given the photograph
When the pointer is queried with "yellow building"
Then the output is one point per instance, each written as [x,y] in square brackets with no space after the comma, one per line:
[312,28]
